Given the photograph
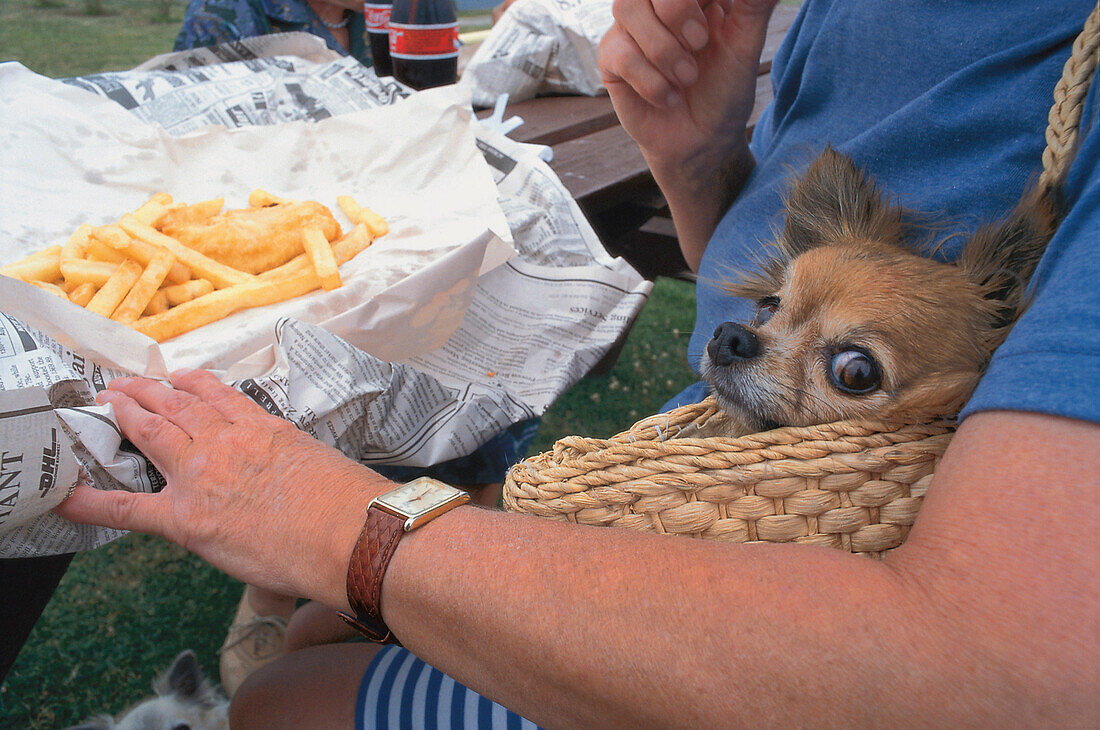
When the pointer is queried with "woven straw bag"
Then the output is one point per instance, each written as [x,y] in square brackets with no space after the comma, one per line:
[852,485]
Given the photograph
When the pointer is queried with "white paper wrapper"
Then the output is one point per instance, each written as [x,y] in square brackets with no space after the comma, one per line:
[540,47]
[69,157]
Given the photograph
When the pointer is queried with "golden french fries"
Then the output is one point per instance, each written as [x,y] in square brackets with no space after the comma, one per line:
[136,249]
[82,294]
[133,272]
[76,246]
[352,244]
[158,304]
[358,214]
[218,274]
[151,210]
[144,289]
[82,271]
[223,302]
[187,291]
[320,254]
[261,198]
[41,266]
[115,288]
[97,250]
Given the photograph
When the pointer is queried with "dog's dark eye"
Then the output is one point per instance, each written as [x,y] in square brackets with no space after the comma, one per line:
[853,371]
[181,726]
[765,308]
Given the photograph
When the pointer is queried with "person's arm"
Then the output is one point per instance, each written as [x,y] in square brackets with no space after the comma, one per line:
[682,76]
[987,615]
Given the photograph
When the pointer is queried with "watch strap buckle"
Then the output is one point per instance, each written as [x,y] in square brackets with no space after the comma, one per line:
[371,629]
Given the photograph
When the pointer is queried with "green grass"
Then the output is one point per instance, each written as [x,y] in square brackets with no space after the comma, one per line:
[58,37]
[119,617]
[124,611]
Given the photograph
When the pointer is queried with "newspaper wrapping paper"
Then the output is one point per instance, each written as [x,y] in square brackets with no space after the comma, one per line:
[540,47]
[526,330]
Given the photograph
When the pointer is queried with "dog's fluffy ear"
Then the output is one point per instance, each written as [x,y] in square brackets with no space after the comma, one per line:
[184,679]
[1002,256]
[755,284]
[835,201]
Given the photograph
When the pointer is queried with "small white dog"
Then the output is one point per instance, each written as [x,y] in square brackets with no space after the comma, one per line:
[184,699]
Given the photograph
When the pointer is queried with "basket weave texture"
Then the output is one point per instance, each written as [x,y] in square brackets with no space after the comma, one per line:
[852,485]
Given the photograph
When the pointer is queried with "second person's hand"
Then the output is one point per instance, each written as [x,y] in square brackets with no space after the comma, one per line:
[682,77]
[682,73]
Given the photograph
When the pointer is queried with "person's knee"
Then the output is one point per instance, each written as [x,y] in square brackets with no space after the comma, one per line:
[314,688]
[314,624]
[260,701]
[253,700]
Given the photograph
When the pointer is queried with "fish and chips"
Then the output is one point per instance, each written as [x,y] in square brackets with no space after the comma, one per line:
[254,239]
[167,268]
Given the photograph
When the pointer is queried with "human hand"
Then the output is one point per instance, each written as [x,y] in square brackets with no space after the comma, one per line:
[247,491]
[682,77]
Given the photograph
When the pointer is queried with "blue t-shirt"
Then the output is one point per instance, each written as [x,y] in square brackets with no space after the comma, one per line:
[945,105]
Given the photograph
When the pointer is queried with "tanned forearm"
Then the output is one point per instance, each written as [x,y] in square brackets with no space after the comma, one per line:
[627,639]
[985,617]
[698,194]
[576,627]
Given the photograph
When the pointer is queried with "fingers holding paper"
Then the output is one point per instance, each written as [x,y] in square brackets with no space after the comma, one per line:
[246,491]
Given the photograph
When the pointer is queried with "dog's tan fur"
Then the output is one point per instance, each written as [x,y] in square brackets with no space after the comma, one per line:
[844,277]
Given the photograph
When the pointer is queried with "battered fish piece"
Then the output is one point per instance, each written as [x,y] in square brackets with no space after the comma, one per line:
[252,239]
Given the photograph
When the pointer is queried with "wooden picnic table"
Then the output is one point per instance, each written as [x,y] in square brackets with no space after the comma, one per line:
[604,171]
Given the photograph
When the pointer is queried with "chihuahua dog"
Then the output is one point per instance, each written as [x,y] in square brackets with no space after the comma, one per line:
[185,700]
[851,323]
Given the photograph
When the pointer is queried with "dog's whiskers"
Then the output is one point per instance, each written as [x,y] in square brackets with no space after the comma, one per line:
[795,397]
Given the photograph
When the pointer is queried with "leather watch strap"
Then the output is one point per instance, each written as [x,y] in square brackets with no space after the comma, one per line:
[369,560]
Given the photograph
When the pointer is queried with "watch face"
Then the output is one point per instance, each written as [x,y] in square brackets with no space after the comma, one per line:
[419,496]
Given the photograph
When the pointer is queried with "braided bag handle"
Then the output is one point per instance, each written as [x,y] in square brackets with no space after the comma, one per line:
[1064,119]
[853,485]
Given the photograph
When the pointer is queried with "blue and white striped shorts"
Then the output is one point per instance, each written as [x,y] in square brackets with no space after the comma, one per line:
[400,692]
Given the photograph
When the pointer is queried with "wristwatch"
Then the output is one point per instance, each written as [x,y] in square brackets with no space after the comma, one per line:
[389,517]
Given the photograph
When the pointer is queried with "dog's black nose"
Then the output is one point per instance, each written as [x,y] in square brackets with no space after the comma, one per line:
[732,342]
